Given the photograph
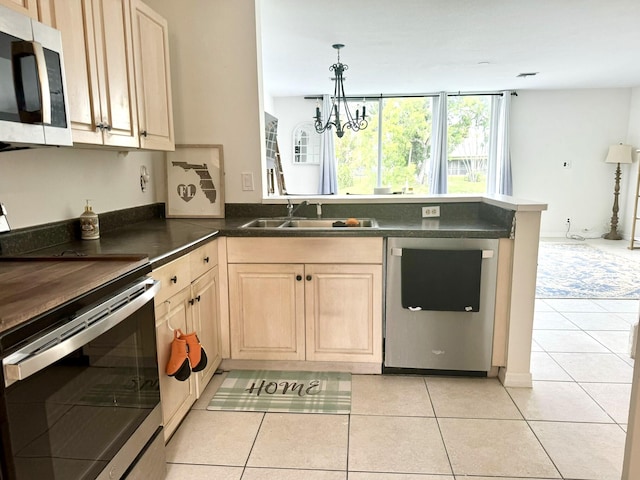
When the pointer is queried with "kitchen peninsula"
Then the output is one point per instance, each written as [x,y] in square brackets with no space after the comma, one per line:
[515,223]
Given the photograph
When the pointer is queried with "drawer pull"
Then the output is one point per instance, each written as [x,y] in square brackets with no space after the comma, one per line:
[174,279]
[206,259]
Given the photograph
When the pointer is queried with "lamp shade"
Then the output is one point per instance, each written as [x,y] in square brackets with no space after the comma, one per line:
[619,154]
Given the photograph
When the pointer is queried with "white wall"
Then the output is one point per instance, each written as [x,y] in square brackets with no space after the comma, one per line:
[549,127]
[628,193]
[216,84]
[51,184]
[578,126]
[291,111]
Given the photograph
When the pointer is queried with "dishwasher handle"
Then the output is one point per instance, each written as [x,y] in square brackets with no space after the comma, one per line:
[88,326]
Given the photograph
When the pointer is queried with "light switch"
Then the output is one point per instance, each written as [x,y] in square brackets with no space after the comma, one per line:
[247,181]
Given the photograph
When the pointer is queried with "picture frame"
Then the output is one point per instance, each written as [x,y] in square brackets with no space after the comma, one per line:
[195,182]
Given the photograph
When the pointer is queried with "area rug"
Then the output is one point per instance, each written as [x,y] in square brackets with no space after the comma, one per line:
[281,391]
[574,270]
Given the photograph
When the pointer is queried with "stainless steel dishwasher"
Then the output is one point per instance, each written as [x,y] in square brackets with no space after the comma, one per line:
[449,330]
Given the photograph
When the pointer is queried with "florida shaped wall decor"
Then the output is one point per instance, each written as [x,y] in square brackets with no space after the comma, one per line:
[195,181]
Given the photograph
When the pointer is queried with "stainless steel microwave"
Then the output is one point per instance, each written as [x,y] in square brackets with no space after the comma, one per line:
[34,110]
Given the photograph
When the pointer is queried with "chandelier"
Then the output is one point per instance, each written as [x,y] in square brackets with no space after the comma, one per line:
[339,105]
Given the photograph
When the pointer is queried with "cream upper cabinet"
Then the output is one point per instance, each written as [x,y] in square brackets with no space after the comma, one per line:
[317,299]
[26,7]
[153,78]
[98,57]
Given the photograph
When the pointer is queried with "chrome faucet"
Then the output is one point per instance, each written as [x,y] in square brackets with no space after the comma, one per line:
[291,210]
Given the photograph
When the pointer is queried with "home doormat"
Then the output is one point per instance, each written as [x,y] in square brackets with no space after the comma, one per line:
[578,270]
[282,391]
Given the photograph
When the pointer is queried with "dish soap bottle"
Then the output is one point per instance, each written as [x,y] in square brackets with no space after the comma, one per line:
[89,226]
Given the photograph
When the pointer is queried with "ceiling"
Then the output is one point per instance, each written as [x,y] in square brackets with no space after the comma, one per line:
[424,46]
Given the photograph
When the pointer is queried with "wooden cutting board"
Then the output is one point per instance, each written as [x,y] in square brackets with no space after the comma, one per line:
[30,286]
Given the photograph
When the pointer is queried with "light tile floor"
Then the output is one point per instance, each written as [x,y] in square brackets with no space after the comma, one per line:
[571,425]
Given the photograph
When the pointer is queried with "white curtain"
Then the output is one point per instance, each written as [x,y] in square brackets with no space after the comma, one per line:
[328,169]
[438,165]
[499,169]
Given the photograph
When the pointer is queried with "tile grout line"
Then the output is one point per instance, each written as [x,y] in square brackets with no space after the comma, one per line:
[253,444]
[435,416]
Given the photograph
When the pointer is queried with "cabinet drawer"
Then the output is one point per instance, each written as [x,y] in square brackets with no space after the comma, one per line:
[173,277]
[203,259]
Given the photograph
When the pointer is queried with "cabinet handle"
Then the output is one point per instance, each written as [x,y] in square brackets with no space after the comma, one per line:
[192,301]
[308,278]
[198,298]
[174,279]
[143,133]
[100,126]
[206,259]
[298,277]
[107,127]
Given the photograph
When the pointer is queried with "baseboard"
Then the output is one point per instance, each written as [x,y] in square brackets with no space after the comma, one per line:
[508,379]
[351,367]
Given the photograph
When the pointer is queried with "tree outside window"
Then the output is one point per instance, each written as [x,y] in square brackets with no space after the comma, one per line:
[405,137]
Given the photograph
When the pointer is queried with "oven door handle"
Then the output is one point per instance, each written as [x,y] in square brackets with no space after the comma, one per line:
[25,362]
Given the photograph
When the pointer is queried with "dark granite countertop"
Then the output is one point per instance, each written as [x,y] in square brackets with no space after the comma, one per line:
[163,240]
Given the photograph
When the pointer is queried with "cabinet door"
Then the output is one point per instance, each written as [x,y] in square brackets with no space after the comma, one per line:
[267,311]
[114,52]
[74,18]
[153,78]
[343,305]
[206,324]
[176,396]
[26,7]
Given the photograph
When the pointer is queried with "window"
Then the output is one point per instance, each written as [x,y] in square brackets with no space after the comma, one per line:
[395,149]
[468,120]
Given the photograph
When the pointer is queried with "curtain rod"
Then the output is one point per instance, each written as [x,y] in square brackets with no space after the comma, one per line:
[414,95]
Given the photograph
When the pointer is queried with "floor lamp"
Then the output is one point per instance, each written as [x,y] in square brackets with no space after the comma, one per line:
[617,154]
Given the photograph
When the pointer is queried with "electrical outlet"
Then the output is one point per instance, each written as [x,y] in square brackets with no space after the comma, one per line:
[433,211]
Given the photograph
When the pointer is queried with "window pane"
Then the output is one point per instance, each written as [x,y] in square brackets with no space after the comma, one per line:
[468,120]
[406,143]
[357,153]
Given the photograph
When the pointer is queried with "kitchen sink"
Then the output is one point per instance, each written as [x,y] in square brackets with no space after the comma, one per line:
[308,223]
[329,223]
[264,223]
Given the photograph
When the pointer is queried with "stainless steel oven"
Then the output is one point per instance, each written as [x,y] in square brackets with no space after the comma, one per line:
[80,398]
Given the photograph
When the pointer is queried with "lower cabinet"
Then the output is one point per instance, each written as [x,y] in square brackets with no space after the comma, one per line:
[205,321]
[306,311]
[176,397]
[194,307]
[266,306]
[343,308]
